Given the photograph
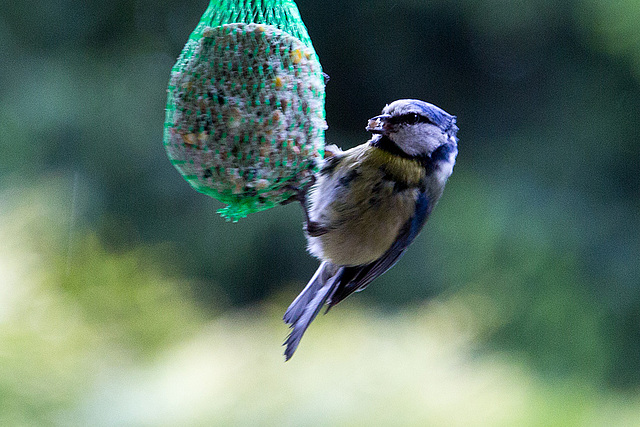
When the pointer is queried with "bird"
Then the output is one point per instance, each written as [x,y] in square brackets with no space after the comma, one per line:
[366,205]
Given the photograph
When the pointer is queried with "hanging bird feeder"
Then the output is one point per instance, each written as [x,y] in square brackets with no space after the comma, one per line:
[245,116]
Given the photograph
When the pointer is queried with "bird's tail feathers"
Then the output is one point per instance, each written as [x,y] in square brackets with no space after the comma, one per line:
[307,305]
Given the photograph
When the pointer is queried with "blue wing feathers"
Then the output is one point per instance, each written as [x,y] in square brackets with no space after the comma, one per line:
[331,284]
[357,278]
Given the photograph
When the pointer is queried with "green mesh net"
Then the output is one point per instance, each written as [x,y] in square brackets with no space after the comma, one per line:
[245,114]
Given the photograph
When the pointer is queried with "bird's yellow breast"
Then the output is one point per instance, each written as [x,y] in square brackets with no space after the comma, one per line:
[401,169]
[364,203]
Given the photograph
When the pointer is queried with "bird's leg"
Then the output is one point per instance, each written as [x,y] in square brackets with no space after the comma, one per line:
[300,195]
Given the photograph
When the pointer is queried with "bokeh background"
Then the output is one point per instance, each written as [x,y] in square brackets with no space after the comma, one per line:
[126,300]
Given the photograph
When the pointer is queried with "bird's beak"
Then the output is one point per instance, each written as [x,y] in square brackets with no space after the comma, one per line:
[379,124]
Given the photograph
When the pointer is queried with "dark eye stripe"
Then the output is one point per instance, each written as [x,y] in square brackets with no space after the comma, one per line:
[410,119]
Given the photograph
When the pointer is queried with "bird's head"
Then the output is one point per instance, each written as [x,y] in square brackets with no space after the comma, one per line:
[416,127]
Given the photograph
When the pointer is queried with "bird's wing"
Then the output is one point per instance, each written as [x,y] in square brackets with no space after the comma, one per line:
[357,278]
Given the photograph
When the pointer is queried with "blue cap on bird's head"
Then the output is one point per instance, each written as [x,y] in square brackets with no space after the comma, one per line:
[411,111]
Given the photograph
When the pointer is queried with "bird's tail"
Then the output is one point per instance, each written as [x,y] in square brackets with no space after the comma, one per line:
[307,305]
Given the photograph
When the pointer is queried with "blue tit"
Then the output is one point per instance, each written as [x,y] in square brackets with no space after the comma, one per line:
[370,202]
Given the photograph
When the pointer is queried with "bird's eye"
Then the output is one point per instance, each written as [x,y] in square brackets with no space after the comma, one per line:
[412,119]
[409,119]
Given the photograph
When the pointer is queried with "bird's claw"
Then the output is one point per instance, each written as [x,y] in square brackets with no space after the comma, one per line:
[313,228]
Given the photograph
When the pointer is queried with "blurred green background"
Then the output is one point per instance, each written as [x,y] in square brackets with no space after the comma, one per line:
[126,300]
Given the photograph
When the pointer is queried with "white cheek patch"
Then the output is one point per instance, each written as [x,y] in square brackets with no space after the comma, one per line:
[416,140]
[445,169]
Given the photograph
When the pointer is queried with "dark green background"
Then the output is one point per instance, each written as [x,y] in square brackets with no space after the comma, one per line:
[541,215]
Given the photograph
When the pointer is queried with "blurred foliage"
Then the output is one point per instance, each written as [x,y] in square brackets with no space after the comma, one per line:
[70,311]
[130,347]
[537,232]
